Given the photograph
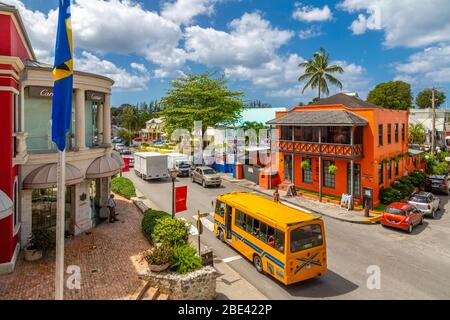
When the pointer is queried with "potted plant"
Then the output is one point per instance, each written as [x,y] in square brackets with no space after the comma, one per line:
[42,240]
[332,169]
[159,257]
[305,164]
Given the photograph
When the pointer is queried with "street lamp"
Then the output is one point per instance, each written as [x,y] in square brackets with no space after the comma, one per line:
[173,174]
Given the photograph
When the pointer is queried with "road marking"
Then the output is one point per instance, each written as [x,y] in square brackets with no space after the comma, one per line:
[295,207]
[206,223]
[229,259]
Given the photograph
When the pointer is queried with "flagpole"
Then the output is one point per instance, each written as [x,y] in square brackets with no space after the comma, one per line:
[60,225]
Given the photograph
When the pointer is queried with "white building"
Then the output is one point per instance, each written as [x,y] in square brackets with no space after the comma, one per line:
[425,117]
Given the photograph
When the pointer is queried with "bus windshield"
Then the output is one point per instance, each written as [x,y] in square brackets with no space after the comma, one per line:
[306,237]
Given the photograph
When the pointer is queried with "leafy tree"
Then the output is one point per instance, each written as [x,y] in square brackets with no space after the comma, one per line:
[253,125]
[200,97]
[318,72]
[423,98]
[392,95]
[417,133]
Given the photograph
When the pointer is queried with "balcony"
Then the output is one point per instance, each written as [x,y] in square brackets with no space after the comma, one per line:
[20,148]
[344,151]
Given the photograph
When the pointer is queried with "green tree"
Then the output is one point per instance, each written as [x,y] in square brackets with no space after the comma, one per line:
[392,95]
[417,133]
[318,72]
[423,99]
[200,97]
[253,125]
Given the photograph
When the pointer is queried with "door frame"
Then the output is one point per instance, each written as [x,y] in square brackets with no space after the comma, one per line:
[228,221]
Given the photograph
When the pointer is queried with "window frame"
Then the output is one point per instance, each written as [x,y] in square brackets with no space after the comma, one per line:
[389,133]
[396,133]
[307,174]
[380,174]
[380,135]
[329,179]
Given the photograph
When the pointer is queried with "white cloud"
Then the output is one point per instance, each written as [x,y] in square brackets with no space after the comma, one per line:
[123,79]
[407,23]
[307,13]
[426,68]
[183,11]
[312,32]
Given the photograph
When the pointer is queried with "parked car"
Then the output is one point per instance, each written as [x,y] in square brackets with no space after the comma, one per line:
[125,150]
[119,146]
[402,216]
[206,176]
[437,184]
[425,202]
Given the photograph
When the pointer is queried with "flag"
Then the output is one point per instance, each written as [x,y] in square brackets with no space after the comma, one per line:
[180,198]
[63,75]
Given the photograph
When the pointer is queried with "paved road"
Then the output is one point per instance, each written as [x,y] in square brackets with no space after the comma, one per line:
[415,266]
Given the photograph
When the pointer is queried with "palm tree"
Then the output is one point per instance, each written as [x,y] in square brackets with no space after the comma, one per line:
[417,133]
[318,73]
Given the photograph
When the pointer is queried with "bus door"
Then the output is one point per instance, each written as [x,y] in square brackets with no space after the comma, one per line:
[228,222]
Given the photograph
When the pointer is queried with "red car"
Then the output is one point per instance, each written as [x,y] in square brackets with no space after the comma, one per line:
[401,215]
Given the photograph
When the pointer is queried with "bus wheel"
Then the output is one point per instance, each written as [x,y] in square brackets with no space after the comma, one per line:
[257,262]
[220,235]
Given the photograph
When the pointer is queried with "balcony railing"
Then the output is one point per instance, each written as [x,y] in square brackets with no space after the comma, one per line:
[324,149]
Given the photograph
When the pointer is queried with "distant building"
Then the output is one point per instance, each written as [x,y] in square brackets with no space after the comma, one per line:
[153,130]
[425,117]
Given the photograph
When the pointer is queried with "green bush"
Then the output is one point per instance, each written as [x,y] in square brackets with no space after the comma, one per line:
[389,195]
[404,188]
[159,255]
[171,231]
[418,178]
[149,221]
[123,186]
[43,239]
[185,259]
[439,168]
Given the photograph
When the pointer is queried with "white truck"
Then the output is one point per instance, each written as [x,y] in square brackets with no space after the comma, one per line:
[150,165]
[180,162]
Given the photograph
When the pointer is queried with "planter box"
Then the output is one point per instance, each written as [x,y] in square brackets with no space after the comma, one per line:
[197,285]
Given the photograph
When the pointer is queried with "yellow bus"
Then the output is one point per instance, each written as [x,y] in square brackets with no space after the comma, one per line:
[286,243]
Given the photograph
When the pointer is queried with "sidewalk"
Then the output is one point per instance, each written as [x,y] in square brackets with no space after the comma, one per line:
[230,285]
[302,202]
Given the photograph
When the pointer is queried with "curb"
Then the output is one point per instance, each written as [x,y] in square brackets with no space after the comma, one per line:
[367,221]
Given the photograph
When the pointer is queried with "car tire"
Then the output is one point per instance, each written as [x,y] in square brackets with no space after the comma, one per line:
[204,184]
[257,262]
[410,228]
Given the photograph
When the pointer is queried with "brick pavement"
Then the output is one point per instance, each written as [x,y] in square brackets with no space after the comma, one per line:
[108,271]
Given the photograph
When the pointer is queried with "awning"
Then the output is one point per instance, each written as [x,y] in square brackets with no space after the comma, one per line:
[6,205]
[45,177]
[116,156]
[102,167]
[319,118]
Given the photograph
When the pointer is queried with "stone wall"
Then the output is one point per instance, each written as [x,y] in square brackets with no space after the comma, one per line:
[197,285]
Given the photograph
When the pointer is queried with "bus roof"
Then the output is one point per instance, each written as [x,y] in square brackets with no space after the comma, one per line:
[278,213]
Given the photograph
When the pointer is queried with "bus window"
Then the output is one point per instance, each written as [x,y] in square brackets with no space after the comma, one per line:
[240,219]
[306,237]
[248,223]
[270,236]
[263,232]
[256,229]
[279,240]
[220,208]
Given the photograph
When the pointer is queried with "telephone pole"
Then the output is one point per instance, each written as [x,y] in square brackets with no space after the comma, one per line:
[433,108]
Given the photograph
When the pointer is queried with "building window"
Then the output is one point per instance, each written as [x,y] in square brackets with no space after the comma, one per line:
[286,133]
[396,132]
[307,172]
[395,169]
[380,134]
[403,132]
[328,178]
[356,180]
[389,133]
[380,174]
[43,209]
[389,172]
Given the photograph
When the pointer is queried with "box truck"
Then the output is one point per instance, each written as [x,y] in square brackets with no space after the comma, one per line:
[150,165]
[180,162]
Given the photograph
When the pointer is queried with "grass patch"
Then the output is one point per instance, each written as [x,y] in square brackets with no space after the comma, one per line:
[123,187]
[327,196]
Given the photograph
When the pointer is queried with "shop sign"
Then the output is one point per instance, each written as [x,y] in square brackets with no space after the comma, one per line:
[95,96]
[40,92]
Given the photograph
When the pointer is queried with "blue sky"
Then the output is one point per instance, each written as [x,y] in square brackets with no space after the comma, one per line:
[143,45]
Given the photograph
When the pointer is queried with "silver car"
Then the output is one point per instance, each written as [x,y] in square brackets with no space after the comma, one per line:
[206,176]
[426,202]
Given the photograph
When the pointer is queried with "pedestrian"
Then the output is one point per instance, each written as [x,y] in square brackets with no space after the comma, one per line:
[276,195]
[112,209]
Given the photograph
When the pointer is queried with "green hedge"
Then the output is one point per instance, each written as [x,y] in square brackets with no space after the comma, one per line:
[185,259]
[123,186]
[149,222]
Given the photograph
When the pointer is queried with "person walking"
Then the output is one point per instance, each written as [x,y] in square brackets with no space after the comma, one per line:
[112,209]
[276,195]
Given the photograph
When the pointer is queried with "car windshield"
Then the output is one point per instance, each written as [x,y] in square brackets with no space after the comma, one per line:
[396,212]
[306,237]
[208,171]
[420,199]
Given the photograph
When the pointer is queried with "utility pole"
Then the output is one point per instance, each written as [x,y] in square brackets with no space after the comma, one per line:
[433,132]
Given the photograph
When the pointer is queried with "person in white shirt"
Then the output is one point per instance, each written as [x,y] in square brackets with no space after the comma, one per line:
[111,204]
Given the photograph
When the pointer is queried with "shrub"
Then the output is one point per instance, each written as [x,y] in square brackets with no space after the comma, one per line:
[150,220]
[439,168]
[185,259]
[405,189]
[171,231]
[418,178]
[43,239]
[332,169]
[305,164]
[159,255]
[123,186]
[390,195]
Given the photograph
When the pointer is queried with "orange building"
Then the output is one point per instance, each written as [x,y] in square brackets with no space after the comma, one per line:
[349,135]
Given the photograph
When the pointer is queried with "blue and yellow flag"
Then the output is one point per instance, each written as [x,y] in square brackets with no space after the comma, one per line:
[63,75]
